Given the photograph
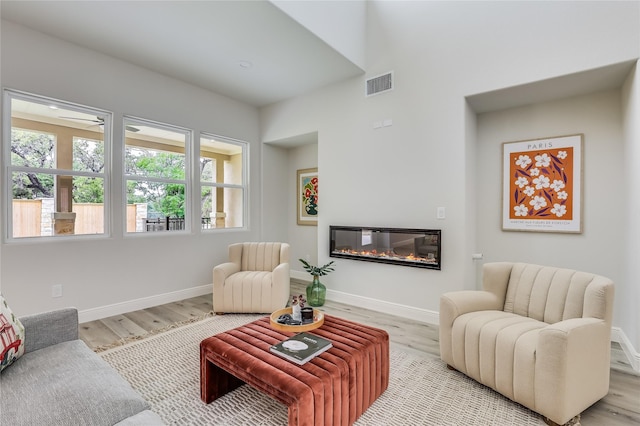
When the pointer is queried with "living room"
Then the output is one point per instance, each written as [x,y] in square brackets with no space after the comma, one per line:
[468,77]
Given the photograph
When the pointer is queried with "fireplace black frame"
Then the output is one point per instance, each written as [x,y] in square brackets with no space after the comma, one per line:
[419,248]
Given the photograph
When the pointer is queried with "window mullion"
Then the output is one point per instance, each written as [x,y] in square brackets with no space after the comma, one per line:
[64,172]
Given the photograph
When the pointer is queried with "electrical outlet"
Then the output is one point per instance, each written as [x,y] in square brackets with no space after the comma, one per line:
[56,290]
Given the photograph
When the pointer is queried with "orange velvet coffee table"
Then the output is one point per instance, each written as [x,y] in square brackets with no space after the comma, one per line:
[334,388]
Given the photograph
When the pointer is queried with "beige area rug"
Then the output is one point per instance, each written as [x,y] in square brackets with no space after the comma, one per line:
[165,369]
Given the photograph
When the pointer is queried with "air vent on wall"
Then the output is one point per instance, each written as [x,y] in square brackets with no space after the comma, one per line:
[379,84]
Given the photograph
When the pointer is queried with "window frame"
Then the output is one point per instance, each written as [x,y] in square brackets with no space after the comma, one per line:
[129,120]
[8,95]
[244,186]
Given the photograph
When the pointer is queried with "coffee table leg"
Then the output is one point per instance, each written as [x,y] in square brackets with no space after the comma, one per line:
[215,382]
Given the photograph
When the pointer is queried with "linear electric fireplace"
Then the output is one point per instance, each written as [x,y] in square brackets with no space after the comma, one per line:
[420,248]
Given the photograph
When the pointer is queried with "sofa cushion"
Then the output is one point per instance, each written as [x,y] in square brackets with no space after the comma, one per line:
[66,384]
[11,336]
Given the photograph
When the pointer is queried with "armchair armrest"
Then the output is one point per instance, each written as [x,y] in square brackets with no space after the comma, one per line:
[281,273]
[456,303]
[49,328]
[281,280]
[569,355]
[221,272]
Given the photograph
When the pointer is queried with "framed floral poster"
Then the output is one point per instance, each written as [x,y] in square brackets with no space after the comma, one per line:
[542,185]
[307,195]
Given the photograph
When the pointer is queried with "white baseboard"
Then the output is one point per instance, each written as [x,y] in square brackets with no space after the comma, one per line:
[416,314]
[617,335]
[390,308]
[304,276]
[142,303]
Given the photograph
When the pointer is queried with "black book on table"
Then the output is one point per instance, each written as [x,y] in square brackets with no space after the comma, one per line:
[301,348]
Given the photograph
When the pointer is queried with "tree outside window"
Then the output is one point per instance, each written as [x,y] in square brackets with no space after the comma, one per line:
[155,176]
[56,163]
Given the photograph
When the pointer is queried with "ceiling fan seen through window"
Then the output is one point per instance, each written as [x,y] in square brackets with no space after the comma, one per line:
[100,122]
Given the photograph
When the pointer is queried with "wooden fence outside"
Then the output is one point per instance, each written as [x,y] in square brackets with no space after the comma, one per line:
[29,217]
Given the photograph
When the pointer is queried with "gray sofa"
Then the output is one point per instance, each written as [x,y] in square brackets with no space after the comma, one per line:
[60,381]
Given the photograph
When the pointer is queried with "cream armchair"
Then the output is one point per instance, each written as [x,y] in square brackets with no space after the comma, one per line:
[538,335]
[255,280]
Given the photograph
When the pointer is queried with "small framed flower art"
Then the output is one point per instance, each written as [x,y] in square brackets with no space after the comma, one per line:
[307,195]
[542,185]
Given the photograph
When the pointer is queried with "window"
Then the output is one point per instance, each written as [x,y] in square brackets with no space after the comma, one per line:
[57,166]
[155,175]
[223,182]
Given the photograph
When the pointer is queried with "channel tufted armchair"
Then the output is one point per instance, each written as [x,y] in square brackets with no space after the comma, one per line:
[538,335]
[255,280]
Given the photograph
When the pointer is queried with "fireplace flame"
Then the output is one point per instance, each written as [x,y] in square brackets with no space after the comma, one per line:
[390,254]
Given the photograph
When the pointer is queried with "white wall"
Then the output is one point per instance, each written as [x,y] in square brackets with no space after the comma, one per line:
[628,295]
[303,238]
[600,247]
[116,271]
[440,53]
[340,24]
[279,222]
[274,212]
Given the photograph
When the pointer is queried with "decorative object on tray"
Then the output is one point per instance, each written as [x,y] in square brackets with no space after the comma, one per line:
[296,307]
[301,348]
[307,315]
[289,325]
[316,291]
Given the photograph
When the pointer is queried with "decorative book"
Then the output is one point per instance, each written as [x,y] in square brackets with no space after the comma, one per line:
[301,348]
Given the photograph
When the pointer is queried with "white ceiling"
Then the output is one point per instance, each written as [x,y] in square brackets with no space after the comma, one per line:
[605,78]
[204,43]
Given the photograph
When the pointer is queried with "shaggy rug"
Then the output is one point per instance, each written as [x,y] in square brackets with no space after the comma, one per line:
[165,369]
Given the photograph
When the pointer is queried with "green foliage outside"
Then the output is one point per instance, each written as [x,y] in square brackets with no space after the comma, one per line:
[31,149]
[37,150]
[163,199]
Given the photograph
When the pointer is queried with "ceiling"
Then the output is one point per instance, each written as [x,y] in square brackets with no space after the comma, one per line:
[59,115]
[247,50]
[566,86]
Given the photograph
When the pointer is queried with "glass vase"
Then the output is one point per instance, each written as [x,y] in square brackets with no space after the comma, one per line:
[316,292]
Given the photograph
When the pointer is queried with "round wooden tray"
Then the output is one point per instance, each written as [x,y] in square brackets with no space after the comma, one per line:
[318,320]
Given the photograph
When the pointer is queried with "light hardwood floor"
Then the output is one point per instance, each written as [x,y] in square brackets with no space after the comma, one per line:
[620,407]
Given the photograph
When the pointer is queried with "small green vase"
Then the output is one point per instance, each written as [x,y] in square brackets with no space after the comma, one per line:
[316,292]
